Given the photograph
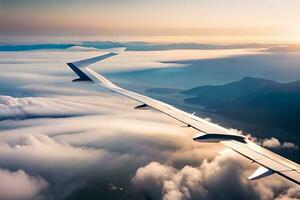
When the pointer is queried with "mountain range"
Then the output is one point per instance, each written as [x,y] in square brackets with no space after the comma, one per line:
[254,100]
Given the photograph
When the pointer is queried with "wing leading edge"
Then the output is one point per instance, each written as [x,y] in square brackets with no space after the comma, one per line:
[209,132]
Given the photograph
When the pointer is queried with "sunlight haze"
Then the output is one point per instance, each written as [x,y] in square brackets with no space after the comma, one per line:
[168,17]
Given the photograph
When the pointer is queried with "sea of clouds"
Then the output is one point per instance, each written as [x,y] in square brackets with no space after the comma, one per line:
[57,137]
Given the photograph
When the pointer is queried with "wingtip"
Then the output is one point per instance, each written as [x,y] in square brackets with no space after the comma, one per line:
[82,76]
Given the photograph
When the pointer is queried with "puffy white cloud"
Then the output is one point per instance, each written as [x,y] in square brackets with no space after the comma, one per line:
[274,143]
[271,143]
[289,145]
[217,179]
[211,180]
[17,185]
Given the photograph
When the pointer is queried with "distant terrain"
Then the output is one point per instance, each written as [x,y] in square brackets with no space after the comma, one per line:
[252,100]
[162,90]
[141,46]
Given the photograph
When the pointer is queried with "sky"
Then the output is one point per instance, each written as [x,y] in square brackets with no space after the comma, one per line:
[143,17]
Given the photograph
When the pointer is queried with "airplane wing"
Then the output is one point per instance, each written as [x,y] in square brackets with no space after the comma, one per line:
[208,132]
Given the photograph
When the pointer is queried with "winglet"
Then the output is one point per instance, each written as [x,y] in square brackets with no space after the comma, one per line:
[260,173]
[76,66]
[82,76]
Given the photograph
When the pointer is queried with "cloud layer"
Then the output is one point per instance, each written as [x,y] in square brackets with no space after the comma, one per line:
[62,138]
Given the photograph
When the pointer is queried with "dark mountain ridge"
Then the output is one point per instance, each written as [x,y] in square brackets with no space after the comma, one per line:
[253,100]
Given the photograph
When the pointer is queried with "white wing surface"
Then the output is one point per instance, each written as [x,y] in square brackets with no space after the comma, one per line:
[209,132]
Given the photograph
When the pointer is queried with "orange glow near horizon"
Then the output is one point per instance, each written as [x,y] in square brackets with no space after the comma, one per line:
[267,20]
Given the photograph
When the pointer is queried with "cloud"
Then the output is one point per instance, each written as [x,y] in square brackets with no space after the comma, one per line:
[289,145]
[81,48]
[92,146]
[217,179]
[291,193]
[274,143]
[72,137]
[211,180]
[271,143]
[64,166]
[18,185]
[45,152]
[291,48]
[67,152]
[29,107]
[37,107]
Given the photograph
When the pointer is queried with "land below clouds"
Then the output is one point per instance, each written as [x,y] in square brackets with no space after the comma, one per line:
[253,100]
